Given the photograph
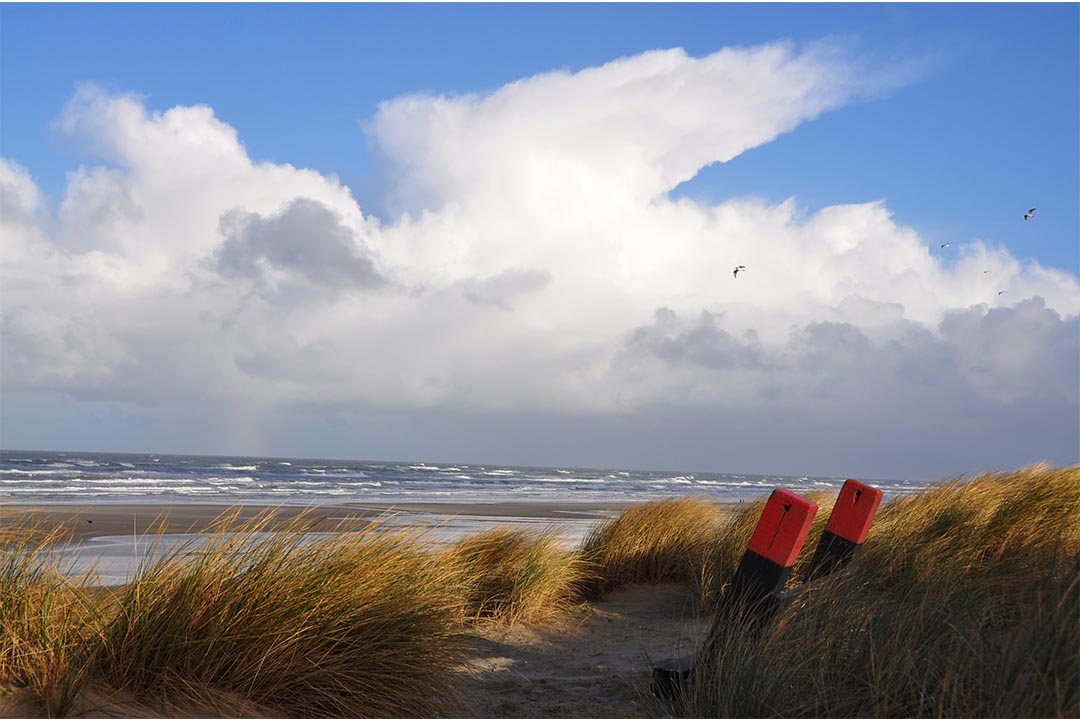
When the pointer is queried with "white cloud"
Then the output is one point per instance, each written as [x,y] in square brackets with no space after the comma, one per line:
[19,201]
[627,131]
[538,265]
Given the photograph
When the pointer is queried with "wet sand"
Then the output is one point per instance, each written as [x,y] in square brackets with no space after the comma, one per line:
[90,521]
[106,544]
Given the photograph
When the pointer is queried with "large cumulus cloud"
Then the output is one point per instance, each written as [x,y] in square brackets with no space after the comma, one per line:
[533,262]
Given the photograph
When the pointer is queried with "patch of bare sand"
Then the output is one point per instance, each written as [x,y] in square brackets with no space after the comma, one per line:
[596,662]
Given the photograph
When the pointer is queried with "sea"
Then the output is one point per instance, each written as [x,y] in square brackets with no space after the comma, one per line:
[36,477]
[87,479]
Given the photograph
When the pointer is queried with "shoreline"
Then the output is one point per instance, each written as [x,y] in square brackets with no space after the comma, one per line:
[104,520]
[110,543]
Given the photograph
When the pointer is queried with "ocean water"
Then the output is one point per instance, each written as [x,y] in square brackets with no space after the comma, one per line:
[99,478]
[102,478]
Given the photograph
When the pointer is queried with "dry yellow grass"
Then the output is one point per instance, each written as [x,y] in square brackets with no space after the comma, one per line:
[513,576]
[662,541]
[357,625]
[46,622]
[965,605]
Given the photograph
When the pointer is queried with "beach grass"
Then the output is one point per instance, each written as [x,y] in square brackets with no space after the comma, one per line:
[688,540]
[964,601]
[515,577]
[47,620]
[964,604]
[356,625]
[668,540]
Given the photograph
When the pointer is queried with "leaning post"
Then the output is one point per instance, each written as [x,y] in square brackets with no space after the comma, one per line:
[770,557]
[848,526]
[764,569]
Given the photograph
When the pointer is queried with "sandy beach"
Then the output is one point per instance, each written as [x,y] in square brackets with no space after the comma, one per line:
[597,662]
[89,521]
[109,542]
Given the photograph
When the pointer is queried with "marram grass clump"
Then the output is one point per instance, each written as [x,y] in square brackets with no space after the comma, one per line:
[515,577]
[47,622]
[964,604]
[357,625]
[655,542]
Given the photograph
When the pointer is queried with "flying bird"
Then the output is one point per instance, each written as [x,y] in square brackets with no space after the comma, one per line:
[1002,292]
[737,269]
[945,245]
[1030,213]
[986,272]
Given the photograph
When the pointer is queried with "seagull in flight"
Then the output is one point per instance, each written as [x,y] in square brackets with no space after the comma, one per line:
[945,245]
[737,269]
[1002,292]
[986,272]
[1029,214]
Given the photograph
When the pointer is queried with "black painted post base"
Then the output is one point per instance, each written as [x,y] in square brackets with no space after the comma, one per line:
[751,601]
[833,553]
[670,680]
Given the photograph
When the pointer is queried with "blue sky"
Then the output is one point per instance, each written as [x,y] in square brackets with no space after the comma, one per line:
[990,130]
[204,250]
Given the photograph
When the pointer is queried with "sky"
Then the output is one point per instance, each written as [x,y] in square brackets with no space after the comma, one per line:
[506,233]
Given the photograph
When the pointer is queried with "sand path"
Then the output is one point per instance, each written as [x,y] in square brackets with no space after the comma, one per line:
[594,663]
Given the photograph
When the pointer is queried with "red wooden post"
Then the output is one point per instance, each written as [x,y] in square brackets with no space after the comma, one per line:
[767,563]
[765,567]
[848,527]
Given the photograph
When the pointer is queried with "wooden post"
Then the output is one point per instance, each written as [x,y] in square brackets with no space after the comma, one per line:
[770,557]
[848,527]
[765,567]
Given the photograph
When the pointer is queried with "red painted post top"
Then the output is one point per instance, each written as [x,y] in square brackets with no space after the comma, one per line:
[854,511]
[783,527]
